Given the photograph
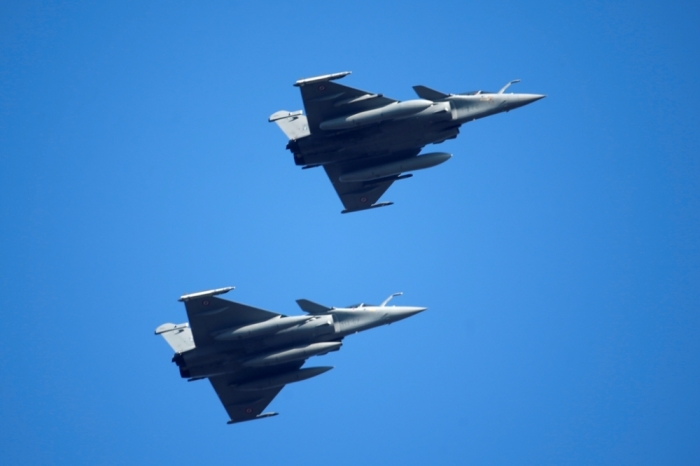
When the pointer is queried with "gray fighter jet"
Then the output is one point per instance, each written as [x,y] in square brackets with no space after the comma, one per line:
[249,354]
[367,141]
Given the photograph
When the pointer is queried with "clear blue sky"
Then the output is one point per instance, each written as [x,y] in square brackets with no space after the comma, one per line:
[558,251]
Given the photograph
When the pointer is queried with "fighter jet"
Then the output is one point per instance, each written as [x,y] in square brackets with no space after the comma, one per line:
[366,141]
[249,354]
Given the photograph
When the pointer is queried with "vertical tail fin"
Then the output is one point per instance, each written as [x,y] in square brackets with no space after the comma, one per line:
[293,124]
[179,337]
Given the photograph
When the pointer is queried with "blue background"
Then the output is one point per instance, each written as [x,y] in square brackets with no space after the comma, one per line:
[558,251]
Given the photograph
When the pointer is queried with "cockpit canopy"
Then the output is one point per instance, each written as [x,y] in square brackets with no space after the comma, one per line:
[360,305]
[476,93]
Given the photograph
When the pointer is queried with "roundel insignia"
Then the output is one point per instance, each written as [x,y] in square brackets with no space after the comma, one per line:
[205,303]
[363,199]
[321,87]
[248,410]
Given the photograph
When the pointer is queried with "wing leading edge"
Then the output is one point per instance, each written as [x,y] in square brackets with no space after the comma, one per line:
[208,315]
[325,100]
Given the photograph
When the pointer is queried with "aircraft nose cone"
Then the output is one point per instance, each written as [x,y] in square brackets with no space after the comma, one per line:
[536,97]
[520,100]
[415,310]
[524,99]
[401,313]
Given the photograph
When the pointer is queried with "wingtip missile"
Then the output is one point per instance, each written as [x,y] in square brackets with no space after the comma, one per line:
[325,77]
[202,294]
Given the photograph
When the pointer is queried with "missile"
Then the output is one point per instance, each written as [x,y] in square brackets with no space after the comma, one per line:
[396,168]
[292,354]
[388,112]
[283,379]
[203,294]
[318,79]
[273,325]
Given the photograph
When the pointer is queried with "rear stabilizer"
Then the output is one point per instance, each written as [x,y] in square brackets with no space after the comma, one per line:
[293,124]
[179,336]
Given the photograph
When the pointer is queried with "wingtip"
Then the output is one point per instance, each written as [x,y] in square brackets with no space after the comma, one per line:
[201,294]
[259,416]
[325,77]
[373,206]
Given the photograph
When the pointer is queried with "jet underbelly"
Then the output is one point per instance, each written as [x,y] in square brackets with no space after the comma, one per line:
[386,138]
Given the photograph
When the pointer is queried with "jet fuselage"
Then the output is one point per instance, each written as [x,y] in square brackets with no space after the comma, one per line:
[305,336]
[374,136]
